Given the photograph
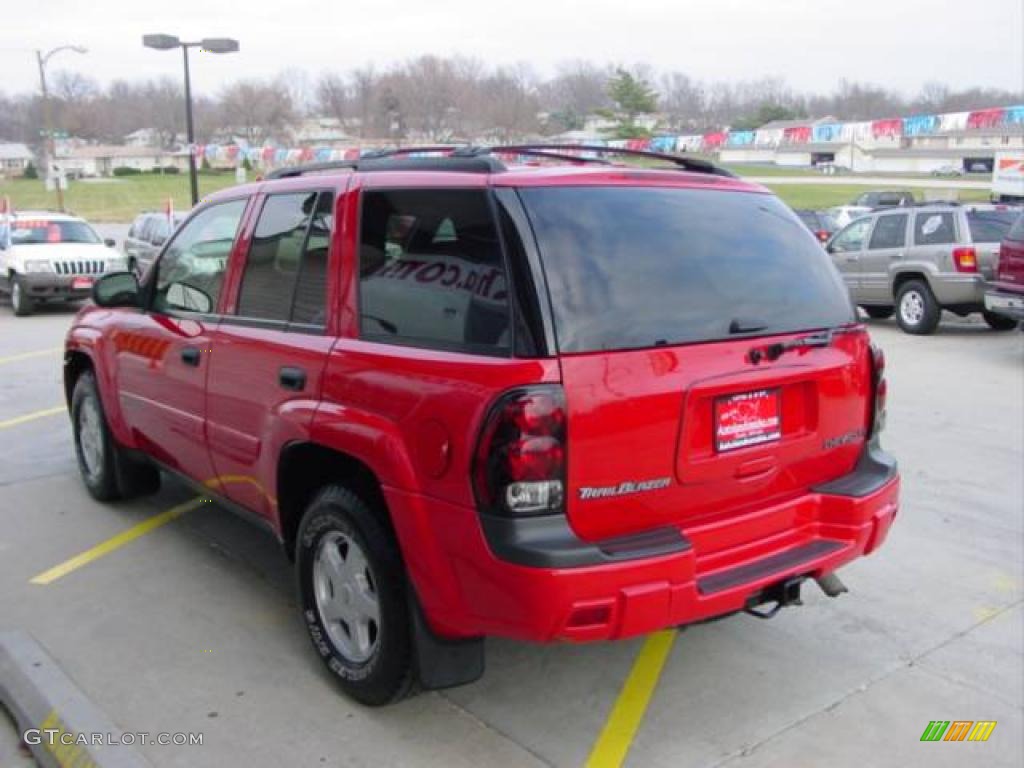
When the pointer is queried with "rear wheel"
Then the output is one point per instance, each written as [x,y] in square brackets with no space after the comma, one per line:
[21,302]
[999,322]
[353,591]
[879,313]
[917,311]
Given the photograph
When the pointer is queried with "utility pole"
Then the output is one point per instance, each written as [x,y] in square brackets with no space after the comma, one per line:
[50,144]
[50,159]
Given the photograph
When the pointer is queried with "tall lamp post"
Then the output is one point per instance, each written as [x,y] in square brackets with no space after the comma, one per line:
[210,44]
[50,167]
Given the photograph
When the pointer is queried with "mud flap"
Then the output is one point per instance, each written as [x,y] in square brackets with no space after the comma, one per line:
[440,662]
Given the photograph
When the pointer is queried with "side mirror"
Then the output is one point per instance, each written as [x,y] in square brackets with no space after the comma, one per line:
[109,242]
[118,289]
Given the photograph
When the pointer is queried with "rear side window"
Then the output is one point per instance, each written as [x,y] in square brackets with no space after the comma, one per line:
[990,226]
[934,228]
[889,232]
[642,267]
[431,271]
[285,275]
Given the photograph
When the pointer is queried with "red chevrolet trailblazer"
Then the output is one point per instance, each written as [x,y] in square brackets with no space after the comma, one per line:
[517,391]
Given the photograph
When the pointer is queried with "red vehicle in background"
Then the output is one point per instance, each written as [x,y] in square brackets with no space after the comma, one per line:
[1006,293]
[560,400]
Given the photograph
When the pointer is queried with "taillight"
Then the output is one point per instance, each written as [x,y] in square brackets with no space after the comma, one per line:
[965,259]
[519,467]
[822,235]
[879,389]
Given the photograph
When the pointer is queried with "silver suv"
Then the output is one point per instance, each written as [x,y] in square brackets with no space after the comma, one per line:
[919,260]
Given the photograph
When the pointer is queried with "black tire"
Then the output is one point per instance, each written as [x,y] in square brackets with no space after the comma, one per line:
[917,311]
[387,674]
[21,302]
[879,313]
[115,474]
[999,322]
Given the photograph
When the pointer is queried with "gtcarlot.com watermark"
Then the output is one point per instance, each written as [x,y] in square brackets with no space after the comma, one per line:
[54,737]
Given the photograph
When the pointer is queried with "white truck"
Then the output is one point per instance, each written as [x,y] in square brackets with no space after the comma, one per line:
[47,256]
[1008,177]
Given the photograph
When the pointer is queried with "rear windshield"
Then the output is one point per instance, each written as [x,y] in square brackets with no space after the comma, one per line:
[29,232]
[635,267]
[990,226]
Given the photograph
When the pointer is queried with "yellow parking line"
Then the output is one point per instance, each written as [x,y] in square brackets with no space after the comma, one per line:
[29,355]
[33,416]
[617,735]
[115,542]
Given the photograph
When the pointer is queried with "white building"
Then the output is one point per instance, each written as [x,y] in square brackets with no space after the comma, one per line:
[101,160]
[855,147]
[14,159]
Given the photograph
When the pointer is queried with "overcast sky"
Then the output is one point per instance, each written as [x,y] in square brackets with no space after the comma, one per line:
[811,43]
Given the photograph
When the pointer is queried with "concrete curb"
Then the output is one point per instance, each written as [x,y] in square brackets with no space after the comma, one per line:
[40,695]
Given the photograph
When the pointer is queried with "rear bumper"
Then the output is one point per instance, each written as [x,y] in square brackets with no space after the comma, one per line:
[1005,303]
[634,585]
[959,290]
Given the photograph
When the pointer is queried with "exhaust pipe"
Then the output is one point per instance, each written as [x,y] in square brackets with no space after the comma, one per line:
[831,585]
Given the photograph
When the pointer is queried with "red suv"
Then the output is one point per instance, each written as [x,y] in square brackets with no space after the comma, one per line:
[561,399]
[1006,294]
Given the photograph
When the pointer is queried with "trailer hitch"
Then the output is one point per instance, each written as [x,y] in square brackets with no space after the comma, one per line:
[781,594]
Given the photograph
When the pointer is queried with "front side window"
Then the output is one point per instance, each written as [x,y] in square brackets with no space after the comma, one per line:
[431,271]
[852,238]
[191,272]
[934,228]
[285,276]
[889,232]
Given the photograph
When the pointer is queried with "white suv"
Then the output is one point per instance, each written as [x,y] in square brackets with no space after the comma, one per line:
[47,256]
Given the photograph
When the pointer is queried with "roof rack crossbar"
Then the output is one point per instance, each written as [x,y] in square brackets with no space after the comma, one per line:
[540,151]
[298,170]
[686,163]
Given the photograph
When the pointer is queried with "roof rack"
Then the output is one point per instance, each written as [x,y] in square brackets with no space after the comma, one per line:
[481,159]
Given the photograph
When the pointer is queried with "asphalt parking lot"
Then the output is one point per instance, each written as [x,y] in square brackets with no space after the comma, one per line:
[192,627]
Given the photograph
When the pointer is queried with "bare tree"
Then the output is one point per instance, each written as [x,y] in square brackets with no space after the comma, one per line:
[256,110]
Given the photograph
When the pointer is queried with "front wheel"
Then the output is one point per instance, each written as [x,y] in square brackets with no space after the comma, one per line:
[917,311]
[353,592]
[106,469]
[999,322]
[21,302]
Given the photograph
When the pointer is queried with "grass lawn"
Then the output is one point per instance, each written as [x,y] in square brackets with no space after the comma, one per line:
[827,195]
[758,169]
[113,199]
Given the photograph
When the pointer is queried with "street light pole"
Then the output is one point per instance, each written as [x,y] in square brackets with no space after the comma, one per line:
[211,44]
[190,133]
[50,144]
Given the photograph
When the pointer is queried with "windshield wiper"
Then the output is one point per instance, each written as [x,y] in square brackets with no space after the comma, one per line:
[775,351]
